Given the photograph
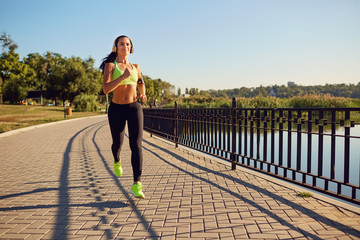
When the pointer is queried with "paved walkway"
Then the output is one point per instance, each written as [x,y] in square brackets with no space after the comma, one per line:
[57,182]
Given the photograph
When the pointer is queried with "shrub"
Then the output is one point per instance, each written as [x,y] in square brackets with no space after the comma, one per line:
[13,91]
[304,194]
[86,103]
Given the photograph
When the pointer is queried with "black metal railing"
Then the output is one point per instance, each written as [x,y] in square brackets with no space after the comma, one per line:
[315,147]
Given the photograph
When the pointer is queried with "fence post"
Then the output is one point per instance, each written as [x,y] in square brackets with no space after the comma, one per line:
[64,109]
[233,133]
[152,124]
[176,124]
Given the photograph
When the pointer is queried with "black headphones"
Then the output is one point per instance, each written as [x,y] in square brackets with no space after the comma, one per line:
[117,39]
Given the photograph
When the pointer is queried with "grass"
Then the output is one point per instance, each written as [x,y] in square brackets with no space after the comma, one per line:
[19,116]
[304,194]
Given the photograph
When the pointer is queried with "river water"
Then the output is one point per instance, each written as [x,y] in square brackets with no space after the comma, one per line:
[354,170]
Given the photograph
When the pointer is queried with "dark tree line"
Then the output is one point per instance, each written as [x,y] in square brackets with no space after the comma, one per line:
[292,90]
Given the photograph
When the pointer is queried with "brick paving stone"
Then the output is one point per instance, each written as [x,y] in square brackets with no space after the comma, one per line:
[344,238]
[14,236]
[34,236]
[34,231]
[262,236]
[17,229]
[70,191]
[93,237]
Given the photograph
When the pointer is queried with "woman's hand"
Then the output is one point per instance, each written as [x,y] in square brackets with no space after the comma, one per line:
[127,73]
[143,98]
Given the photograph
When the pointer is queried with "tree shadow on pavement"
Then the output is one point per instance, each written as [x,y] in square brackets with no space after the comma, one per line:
[100,205]
[29,192]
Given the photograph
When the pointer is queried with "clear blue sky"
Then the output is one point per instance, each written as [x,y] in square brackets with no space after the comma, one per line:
[205,44]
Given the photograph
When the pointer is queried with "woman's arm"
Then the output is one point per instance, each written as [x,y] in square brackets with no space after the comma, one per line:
[141,85]
[108,84]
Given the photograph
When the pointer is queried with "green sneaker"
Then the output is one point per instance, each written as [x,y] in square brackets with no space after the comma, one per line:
[136,189]
[118,169]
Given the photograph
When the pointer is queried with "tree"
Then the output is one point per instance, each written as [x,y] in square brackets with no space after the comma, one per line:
[156,89]
[356,91]
[55,72]
[69,77]
[193,91]
[205,94]
[150,90]
[13,91]
[40,66]
[260,91]
[8,60]
[14,73]
[7,42]
[91,81]
[167,89]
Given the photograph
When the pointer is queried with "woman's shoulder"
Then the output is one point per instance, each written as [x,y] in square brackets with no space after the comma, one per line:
[109,65]
[136,66]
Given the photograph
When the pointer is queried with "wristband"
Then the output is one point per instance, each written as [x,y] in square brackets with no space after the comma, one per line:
[140,81]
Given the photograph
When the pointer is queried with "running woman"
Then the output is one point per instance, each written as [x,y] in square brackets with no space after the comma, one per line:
[124,79]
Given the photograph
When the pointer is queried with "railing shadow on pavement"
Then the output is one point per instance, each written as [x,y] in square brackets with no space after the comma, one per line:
[303,210]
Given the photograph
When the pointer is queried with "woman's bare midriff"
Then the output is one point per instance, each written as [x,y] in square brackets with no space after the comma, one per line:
[125,94]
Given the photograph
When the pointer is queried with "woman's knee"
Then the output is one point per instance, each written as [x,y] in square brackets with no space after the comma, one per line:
[135,146]
[116,145]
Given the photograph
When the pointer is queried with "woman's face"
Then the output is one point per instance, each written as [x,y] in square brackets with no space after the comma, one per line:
[124,46]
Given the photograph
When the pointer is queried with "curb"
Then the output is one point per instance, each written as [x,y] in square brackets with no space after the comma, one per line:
[25,129]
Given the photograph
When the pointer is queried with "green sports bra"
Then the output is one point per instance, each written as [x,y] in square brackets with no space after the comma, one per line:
[132,80]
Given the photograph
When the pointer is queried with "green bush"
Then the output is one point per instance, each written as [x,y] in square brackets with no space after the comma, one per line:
[86,103]
[13,91]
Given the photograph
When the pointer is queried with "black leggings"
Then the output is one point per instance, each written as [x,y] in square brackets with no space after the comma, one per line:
[133,114]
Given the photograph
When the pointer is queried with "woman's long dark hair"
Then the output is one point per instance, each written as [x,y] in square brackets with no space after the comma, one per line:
[112,56]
